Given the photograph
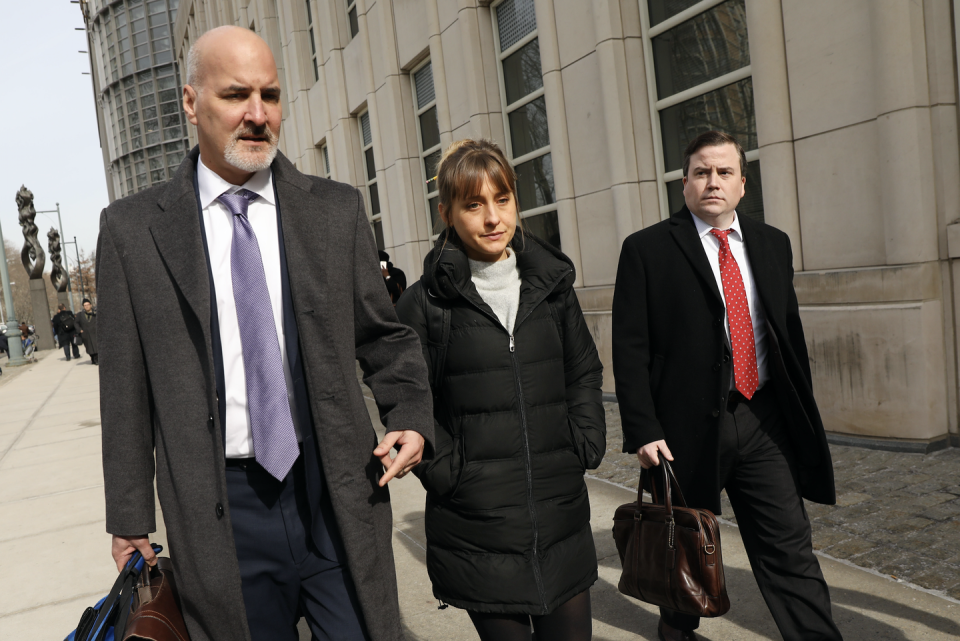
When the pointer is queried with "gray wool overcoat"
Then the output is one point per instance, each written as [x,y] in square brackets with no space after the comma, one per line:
[158,389]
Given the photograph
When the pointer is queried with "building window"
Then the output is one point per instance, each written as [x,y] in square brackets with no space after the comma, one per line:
[370,178]
[699,78]
[313,42]
[525,116]
[352,18]
[325,160]
[428,137]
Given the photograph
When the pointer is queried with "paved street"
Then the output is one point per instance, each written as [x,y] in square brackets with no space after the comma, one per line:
[54,557]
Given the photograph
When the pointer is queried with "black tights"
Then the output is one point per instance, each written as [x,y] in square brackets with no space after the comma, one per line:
[569,622]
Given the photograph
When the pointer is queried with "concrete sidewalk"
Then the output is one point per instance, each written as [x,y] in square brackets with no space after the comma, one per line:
[54,553]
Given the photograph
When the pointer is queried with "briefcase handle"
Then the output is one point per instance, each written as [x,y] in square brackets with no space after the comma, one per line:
[669,483]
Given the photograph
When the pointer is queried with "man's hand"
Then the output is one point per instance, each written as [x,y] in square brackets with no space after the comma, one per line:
[123,548]
[648,454]
[409,454]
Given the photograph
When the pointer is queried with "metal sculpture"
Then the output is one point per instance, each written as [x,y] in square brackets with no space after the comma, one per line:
[58,277]
[31,255]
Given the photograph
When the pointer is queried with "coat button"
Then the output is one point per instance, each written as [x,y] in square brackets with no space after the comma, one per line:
[726,358]
[715,413]
[210,421]
[219,511]
[716,367]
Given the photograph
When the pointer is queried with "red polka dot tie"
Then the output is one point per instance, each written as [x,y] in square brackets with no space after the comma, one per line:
[738,315]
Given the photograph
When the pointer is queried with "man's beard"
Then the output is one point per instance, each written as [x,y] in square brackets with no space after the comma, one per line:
[251,160]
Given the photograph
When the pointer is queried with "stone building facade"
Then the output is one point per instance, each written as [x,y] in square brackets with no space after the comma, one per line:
[848,112]
[137,90]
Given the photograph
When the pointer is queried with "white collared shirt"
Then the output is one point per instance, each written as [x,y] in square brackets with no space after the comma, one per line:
[218,226]
[711,246]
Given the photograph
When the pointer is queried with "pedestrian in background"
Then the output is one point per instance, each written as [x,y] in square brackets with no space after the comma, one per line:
[87,326]
[712,374]
[518,408]
[393,277]
[65,327]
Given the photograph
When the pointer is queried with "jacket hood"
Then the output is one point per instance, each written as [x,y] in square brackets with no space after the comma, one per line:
[446,270]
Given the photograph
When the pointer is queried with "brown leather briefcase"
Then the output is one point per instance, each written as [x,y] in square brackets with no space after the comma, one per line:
[156,608]
[670,555]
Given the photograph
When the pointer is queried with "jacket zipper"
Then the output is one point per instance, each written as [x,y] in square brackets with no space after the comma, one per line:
[531,504]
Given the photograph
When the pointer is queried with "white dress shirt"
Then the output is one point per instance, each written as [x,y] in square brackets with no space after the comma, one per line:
[711,246]
[218,226]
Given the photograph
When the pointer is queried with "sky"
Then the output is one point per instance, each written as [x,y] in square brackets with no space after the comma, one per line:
[51,123]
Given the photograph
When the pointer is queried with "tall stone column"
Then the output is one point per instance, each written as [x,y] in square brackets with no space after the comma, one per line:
[771,97]
[33,260]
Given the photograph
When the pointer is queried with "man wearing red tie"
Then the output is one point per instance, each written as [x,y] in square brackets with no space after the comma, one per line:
[712,373]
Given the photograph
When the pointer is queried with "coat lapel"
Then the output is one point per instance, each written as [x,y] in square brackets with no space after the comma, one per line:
[764,268]
[685,234]
[177,235]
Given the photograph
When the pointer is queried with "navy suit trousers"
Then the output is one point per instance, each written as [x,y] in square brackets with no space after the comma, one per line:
[284,576]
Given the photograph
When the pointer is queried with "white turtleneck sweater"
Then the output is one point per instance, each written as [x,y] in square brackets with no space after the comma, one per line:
[499,286]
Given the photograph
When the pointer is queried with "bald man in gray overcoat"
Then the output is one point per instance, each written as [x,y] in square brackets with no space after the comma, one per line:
[234,304]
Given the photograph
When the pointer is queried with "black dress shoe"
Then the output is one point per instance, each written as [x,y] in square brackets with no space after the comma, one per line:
[672,634]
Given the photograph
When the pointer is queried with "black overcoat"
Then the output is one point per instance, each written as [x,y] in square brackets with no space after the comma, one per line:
[672,360]
[88,331]
[158,389]
[519,418]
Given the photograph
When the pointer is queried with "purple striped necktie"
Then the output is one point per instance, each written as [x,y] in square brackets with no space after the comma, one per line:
[274,435]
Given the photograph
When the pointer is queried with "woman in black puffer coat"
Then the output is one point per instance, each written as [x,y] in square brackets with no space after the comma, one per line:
[518,413]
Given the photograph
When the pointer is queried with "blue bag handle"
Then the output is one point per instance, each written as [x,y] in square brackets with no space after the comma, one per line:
[119,596]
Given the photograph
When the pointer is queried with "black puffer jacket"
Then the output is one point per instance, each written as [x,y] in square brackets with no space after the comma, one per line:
[518,421]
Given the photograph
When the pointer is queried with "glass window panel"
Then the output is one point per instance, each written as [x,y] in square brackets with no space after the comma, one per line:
[163,31]
[139,38]
[544,226]
[521,72]
[126,69]
[153,137]
[161,44]
[138,155]
[171,121]
[378,234]
[163,56]
[173,159]
[354,23]
[148,100]
[157,176]
[134,131]
[326,159]
[435,220]
[158,19]
[149,112]
[429,128]
[137,142]
[535,183]
[141,51]
[156,7]
[365,129]
[371,165]
[138,25]
[729,109]
[710,45]
[660,10]
[134,118]
[151,125]
[309,13]
[141,181]
[167,83]
[130,93]
[128,82]
[374,200]
[528,127]
[164,71]
[146,87]
[171,134]
[174,146]
[155,151]
[168,108]
[430,164]
[515,19]
[129,185]
[423,80]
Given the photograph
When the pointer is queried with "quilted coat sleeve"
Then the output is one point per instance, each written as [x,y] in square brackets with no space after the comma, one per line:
[583,373]
[125,403]
[436,473]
